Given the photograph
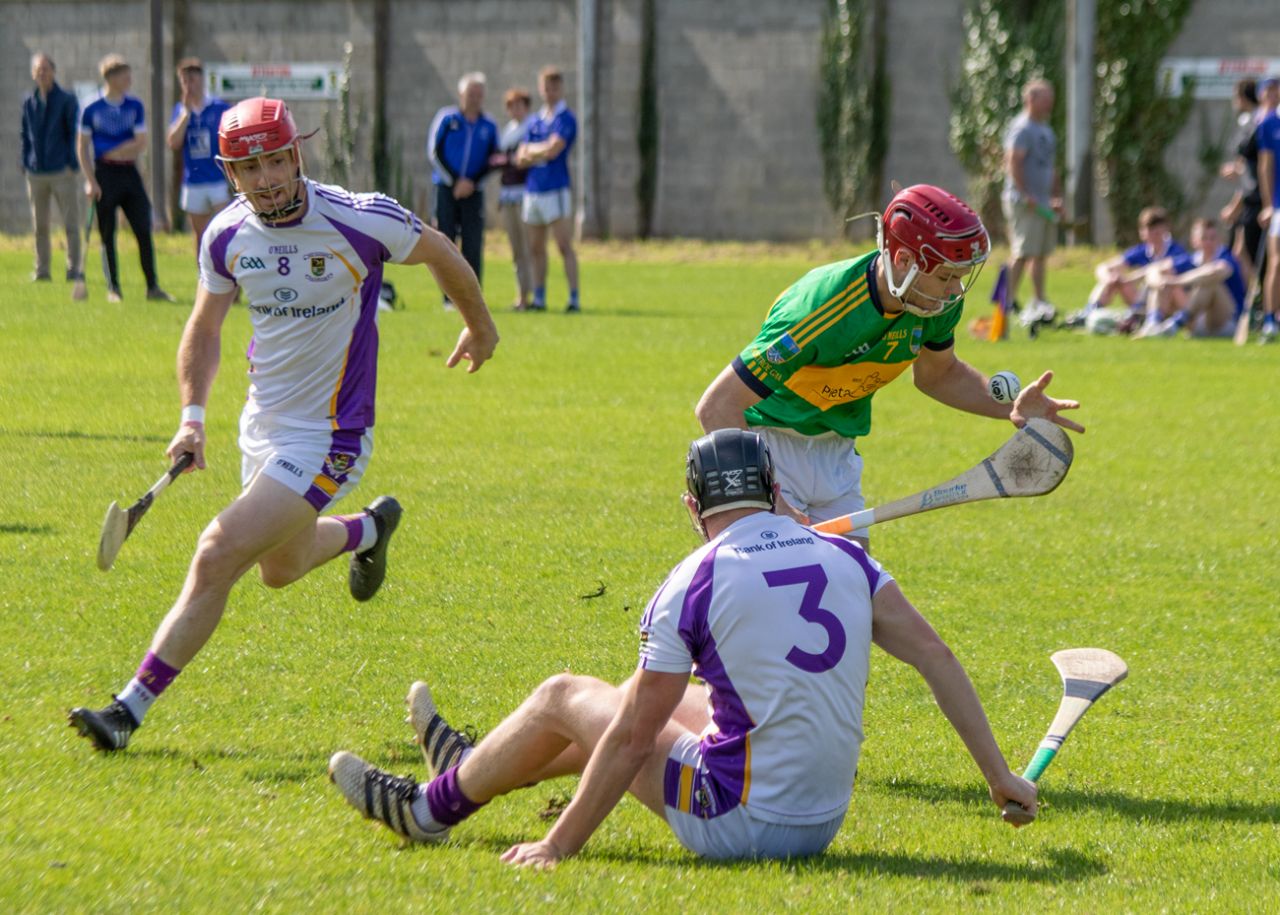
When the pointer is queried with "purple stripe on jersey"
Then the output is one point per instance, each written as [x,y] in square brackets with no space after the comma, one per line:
[726,751]
[671,784]
[359,382]
[218,249]
[856,551]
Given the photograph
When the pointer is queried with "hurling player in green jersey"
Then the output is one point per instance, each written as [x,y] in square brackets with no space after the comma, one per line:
[845,330]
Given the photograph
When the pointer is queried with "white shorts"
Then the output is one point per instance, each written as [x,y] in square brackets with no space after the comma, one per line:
[321,466]
[548,207]
[820,475]
[204,198]
[734,834]
[1273,228]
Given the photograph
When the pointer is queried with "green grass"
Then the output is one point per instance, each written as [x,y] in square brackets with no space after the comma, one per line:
[556,468]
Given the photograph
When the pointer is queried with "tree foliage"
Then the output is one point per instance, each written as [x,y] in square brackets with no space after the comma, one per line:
[1007,43]
[853,106]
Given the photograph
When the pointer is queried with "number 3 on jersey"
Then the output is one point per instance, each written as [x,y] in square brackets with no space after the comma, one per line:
[815,582]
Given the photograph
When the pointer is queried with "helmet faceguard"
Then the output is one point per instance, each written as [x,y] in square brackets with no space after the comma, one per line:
[251,132]
[728,469]
[938,231]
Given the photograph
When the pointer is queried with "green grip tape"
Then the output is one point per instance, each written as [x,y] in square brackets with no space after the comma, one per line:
[1039,763]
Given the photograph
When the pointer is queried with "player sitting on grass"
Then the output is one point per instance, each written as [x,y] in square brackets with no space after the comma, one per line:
[778,621]
[309,258]
[1202,291]
[1123,274]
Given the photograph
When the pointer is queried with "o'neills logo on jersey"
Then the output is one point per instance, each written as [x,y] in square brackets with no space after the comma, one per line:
[318,267]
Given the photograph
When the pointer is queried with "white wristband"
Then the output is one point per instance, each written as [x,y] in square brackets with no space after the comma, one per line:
[193,413]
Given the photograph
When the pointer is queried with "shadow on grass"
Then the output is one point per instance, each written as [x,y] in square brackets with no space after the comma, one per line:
[27,529]
[1137,808]
[85,436]
[1049,866]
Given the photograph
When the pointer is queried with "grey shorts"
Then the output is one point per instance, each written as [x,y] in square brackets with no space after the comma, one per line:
[1030,234]
[734,834]
[820,475]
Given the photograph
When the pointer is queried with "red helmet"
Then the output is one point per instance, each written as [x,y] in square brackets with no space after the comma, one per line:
[255,126]
[936,229]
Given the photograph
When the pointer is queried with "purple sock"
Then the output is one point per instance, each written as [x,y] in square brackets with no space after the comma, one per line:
[155,674]
[447,802]
[355,530]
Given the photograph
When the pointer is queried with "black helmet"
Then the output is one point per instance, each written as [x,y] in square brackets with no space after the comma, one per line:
[729,468]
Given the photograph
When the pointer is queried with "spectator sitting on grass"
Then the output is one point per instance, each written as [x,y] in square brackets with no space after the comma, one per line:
[1202,292]
[1122,275]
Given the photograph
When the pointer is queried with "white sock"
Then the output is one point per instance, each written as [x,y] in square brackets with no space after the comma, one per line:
[137,699]
[368,535]
[421,811]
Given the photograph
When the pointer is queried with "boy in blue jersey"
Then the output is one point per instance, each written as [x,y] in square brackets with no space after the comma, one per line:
[193,129]
[1123,274]
[1202,292]
[548,202]
[460,143]
[113,133]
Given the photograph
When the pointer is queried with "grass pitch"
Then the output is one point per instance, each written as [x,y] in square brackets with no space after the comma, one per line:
[553,474]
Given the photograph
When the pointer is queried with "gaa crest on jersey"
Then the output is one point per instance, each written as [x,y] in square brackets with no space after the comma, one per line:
[337,463]
[318,267]
[917,334]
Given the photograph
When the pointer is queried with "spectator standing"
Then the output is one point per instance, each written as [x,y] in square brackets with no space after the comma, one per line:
[511,191]
[49,161]
[548,202]
[460,143]
[1241,214]
[1268,139]
[113,132]
[193,129]
[1032,195]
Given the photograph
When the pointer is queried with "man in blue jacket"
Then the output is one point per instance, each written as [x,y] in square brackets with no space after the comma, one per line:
[460,143]
[49,129]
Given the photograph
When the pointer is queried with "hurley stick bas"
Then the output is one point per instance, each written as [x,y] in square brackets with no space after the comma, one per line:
[119,523]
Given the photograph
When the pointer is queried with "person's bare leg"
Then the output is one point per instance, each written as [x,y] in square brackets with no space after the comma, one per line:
[309,548]
[538,256]
[1038,277]
[562,230]
[565,710]
[691,714]
[1016,267]
[267,516]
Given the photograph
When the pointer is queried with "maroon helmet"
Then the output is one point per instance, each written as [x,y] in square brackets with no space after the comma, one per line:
[936,229]
[251,130]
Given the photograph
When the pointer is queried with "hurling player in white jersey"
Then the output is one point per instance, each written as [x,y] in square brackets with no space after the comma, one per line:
[309,258]
[778,622]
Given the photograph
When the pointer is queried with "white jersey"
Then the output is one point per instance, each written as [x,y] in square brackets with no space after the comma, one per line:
[776,618]
[312,287]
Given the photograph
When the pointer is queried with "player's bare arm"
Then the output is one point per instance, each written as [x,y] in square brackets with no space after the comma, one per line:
[178,132]
[198,356]
[899,629]
[529,154]
[626,746]
[724,401]
[457,280]
[84,151]
[952,381]
[129,150]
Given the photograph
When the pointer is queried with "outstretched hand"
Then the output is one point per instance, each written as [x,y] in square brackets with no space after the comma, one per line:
[1033,403]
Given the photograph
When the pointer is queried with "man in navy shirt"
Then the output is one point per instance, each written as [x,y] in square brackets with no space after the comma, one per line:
[193,129]
[460,142]
[1202,291]
[113,132]
[49,160]
[548,203]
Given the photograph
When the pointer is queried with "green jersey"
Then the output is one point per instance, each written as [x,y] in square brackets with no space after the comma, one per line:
[827,346]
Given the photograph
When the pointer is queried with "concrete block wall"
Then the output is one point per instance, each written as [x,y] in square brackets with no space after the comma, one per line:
[738,154]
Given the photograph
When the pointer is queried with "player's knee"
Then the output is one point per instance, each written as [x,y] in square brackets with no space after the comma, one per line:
[216,555]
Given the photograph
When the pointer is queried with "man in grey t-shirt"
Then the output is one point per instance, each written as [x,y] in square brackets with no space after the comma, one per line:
[1032,195]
